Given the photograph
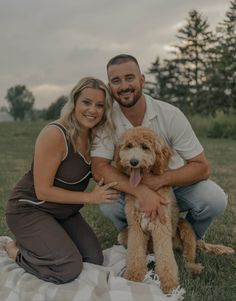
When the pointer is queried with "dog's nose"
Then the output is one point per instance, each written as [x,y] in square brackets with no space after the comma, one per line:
[134,162]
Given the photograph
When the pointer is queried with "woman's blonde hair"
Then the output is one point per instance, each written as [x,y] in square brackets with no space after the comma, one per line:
[68,112]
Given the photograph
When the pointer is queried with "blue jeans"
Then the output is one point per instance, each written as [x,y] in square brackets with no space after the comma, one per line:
[201,201]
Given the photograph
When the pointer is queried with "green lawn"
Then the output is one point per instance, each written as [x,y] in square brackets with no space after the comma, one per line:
[218,280]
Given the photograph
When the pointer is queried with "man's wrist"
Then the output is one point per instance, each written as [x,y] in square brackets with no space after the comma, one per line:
[166,178]
[139,189]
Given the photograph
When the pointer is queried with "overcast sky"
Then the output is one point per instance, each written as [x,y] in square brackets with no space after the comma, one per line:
[48,45]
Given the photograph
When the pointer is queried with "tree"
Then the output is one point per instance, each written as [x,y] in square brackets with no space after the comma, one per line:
[222,70]
[54,110]
[21,102]
[191,58]
[182,78]
[164,74]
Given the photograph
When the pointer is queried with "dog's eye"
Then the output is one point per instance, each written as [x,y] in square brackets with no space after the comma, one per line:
[129,145]
[145,147]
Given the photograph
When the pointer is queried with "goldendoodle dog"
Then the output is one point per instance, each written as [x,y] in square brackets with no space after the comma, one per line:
[140,151]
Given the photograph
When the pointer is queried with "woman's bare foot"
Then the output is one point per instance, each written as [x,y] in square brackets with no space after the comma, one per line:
[12,249]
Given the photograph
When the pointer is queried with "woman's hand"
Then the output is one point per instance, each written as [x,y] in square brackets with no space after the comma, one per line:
[104,193]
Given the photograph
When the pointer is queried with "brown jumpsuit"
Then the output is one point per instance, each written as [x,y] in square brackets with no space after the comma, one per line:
[53,239]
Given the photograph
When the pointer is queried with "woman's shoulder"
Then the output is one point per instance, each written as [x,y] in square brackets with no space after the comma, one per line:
[59,123]
[54,132]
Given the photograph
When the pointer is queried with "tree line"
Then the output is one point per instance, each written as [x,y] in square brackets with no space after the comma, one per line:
[199,78]
[21,102]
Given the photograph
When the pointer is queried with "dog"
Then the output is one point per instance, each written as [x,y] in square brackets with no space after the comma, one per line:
[140,151]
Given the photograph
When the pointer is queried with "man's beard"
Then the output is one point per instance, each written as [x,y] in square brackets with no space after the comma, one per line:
[130,103]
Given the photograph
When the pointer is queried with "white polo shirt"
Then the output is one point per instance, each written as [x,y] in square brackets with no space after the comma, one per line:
[166,120]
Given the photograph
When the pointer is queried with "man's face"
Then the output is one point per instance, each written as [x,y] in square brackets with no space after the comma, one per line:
[126,83]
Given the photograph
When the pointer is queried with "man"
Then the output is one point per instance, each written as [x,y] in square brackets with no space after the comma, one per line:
[188,171]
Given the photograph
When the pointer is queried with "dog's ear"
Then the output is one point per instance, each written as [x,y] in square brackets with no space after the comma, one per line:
[166,151]
[163,155]
[117,156]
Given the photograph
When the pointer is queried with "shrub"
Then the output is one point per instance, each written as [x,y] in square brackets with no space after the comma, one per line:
[224,129]
[220,126]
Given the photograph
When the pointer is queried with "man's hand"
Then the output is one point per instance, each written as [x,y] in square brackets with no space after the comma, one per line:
[154,182]
[151,203]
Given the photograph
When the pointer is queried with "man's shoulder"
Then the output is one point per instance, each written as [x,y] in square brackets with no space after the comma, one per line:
[160,106]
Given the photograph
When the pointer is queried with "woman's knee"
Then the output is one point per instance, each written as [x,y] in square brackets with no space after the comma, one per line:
[73,268]
[67,271]
[96,257]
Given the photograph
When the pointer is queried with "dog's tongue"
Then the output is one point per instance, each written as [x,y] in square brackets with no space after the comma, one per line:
[135,177]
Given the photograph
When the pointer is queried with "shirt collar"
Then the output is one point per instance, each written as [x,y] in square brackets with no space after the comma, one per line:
[149,114]
[150,110]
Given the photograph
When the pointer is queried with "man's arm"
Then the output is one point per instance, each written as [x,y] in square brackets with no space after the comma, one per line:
[149,201]
[195,170]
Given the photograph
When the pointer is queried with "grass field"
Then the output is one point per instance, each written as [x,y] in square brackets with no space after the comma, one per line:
[217,282]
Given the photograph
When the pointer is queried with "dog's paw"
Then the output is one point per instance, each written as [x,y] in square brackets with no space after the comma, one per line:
[168,285]
[195,268]
[137,276]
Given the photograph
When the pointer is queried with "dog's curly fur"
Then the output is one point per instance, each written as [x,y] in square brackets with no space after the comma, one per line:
[140,151]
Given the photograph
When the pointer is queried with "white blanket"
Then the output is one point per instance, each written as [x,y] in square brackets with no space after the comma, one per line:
[95,283]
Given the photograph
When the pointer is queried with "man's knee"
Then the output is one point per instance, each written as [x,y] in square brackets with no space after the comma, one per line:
[115,213]
[212,200]
[220,202]
[107,210]
[216,199]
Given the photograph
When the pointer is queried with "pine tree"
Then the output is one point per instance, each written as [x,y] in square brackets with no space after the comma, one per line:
[163,86]
[222,70]
[181,80]
[191,61]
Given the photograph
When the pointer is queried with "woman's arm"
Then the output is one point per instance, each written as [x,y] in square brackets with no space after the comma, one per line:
[50,149]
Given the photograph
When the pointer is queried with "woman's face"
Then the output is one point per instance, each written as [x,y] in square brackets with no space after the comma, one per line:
[89,108]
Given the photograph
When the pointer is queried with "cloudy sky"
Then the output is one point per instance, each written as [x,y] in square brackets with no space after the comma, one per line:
[48,45]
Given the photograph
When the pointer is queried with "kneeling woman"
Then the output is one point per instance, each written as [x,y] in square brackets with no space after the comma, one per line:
[52,238]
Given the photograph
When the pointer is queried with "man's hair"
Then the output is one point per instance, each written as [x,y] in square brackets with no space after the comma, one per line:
[122,58]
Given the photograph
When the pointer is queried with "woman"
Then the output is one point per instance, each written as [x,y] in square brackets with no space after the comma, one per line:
[52,238]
